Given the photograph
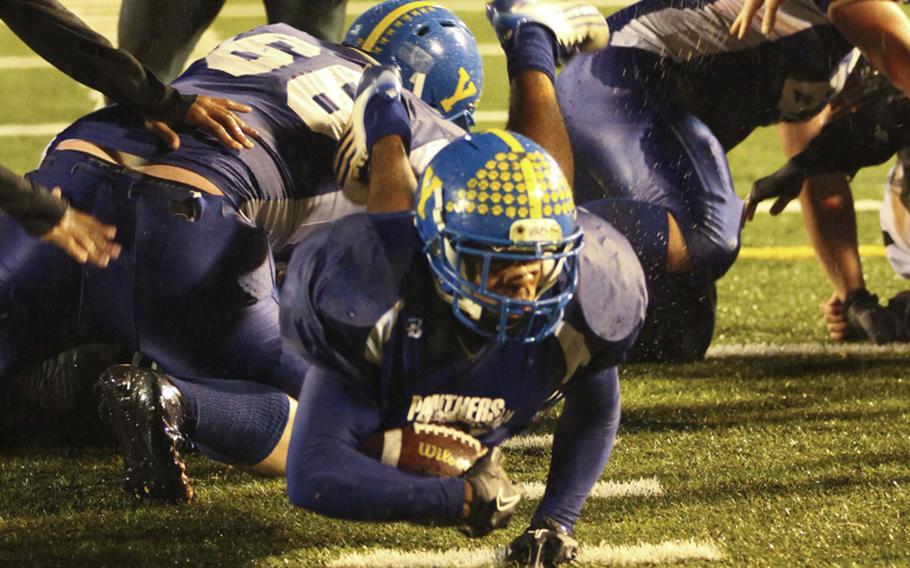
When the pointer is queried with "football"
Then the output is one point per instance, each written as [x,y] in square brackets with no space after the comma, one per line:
[425,449]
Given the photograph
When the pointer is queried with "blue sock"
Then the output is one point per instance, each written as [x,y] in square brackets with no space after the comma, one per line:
[236,422]
[383,117]
[533,47]
[645,225]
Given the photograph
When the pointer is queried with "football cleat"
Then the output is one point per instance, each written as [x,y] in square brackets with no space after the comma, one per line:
[145,410]
[381,84]
[899,305]
[576,26]
[867,319]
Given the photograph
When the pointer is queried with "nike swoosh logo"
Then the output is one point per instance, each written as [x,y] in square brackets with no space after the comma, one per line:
[504,504]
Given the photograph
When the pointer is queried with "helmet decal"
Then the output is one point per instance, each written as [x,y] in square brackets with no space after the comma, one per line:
[465,88]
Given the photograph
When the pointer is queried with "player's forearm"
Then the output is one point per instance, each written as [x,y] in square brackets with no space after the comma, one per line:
[32,207]
[881,31]
[581,445]
[392,183]
[341,482]
[66,42]
[328,475]
[534,112]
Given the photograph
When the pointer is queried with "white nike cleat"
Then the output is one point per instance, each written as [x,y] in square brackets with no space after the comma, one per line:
[576,26]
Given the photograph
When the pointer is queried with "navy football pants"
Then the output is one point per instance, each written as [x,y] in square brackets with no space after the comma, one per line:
[193,288]
[632,141]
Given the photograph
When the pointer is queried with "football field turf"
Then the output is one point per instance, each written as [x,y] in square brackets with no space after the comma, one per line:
[779,450]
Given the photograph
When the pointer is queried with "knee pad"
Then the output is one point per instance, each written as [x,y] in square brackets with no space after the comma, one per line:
[712,251]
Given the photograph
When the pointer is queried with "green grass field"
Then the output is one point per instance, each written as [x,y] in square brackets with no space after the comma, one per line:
[760,458]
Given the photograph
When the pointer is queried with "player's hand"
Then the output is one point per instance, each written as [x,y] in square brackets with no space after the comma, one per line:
[784,185]
[83,237]
[545,543]
[215,116]
[835,317]
[740,25]
[493,496]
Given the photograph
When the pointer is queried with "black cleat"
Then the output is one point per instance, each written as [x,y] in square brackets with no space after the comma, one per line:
[866,319]
[899,305]
[145,410]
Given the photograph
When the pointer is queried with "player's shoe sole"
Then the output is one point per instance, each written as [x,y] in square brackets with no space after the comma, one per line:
[144,410]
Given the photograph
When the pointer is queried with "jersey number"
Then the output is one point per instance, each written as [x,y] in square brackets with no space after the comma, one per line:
[322,98]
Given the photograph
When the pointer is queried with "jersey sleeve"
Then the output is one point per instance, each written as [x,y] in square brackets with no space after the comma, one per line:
[66,42]
[327,474]
[31,206]
[582,444]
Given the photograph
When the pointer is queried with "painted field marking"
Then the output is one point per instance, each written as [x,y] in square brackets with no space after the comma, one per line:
[799,252]
[643,487]
[804,349]
[602,554]
[532,442]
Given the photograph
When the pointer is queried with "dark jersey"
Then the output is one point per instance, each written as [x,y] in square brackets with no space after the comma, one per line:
[736,85]
[358,301]
[301,91]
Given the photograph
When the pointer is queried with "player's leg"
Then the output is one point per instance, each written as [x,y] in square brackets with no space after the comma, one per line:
[163,33]
[205,299]
[630,142]
[321,18]
[155,416]
[43,307]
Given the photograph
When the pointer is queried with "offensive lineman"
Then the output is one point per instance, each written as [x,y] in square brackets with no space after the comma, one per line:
[652,115]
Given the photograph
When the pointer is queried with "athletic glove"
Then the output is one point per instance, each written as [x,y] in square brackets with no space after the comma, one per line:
[494,496]
[545,543]
[783,185]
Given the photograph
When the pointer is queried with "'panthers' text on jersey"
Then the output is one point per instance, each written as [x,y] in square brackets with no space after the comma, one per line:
[301,90]
[359,298]
[736,85]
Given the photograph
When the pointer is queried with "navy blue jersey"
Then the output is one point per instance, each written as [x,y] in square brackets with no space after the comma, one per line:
[736,85]
[301,90]
[358,298]
[359,303]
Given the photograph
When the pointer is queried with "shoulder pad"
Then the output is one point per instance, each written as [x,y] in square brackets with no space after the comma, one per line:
[366,258]
[611,283]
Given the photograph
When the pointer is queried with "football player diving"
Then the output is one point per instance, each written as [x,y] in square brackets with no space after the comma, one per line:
[652,116]
[194,287]
[477,309]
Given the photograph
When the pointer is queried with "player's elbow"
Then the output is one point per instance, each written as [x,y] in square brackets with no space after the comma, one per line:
[306,482]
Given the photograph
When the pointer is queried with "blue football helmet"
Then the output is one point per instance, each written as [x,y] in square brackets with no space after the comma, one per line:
[433,48]
[491,200]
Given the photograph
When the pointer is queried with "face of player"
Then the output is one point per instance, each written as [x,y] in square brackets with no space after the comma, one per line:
[514,279]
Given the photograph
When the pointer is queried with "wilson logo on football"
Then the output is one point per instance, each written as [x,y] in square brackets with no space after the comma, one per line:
[434,452]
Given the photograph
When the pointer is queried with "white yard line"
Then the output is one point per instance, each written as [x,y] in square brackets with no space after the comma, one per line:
[644,487]
[536,441]
[804,349]
[601,555]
